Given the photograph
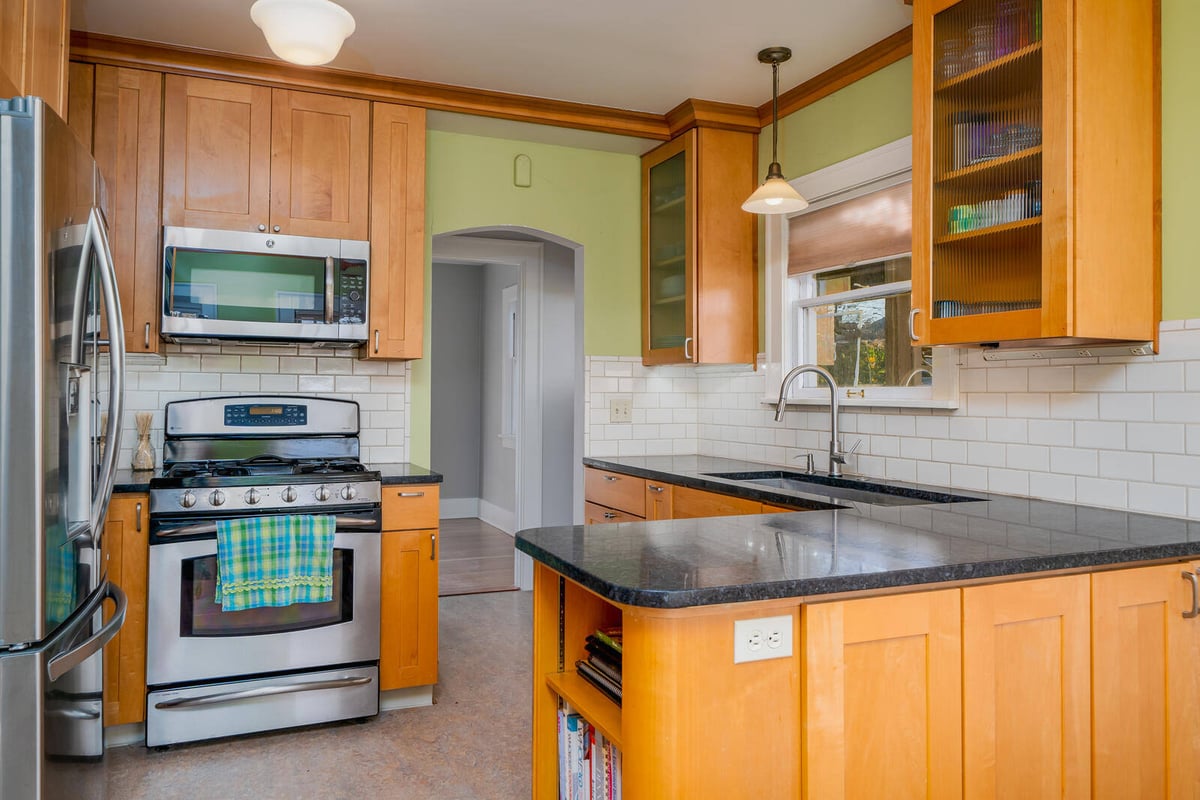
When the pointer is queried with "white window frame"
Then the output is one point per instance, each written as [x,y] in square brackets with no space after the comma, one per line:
[876,169]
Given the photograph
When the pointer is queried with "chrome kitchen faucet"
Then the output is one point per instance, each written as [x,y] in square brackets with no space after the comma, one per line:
[836,456]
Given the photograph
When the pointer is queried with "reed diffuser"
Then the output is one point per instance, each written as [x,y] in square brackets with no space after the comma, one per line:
[143,454]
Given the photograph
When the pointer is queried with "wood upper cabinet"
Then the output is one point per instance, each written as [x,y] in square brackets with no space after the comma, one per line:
[81,96]
[882,689]
[33,50]
[1145,675]
[1026,689]
[243,157]
[1029,118]
[699,287]
[126,548]
[408,621]
[397,232]
[127,142]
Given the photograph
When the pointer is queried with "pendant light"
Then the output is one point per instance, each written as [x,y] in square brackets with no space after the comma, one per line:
[307,32]
[776,195]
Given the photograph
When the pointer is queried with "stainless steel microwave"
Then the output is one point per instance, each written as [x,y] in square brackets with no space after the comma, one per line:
[263,288]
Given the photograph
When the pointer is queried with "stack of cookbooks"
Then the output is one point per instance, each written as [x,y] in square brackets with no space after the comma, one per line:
[602,668]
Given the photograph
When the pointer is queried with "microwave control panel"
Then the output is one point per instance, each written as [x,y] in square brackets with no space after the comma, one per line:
[352,293]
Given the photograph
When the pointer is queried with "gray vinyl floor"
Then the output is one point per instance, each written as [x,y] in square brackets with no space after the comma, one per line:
[474,557]
[474,742]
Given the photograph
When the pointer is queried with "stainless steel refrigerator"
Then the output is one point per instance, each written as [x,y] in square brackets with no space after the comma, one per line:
[58,305]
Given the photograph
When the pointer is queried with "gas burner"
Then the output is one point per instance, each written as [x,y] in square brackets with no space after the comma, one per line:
[190,469]
[325,467]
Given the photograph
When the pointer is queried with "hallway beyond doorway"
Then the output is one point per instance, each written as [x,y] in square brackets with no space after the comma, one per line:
[475,557]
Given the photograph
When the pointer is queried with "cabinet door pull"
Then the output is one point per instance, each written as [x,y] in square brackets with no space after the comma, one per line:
[1192,578]
[654,488]
[611,478]
[262,227]
[146,335]
[137,525]
[377,340]
[912,317]
[687,344]
[410,494]
[433,547]
[275,228]
[610,515]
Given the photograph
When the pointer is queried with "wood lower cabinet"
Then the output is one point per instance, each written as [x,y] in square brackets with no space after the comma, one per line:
[1026,689]
[616,497]
[1145,692]
[251,158]
[595,514]
[408,622]
[659,500]
[397,232]
[126,549]
[688,503]
[127,142]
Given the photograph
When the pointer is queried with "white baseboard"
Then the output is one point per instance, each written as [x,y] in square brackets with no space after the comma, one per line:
[124,735]
[458,507]
[498,517]
[411,697]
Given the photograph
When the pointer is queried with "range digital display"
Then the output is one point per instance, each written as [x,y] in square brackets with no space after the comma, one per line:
[246,415]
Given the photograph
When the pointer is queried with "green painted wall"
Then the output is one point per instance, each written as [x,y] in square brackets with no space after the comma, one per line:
[587,196]
[1180,157]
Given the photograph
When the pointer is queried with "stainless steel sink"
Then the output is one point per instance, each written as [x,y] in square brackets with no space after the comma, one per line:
[849,489]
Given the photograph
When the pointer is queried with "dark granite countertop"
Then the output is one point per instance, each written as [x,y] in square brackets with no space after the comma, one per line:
[130,481]
[862,547]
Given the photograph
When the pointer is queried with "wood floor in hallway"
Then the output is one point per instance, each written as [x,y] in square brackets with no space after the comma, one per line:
[475,557]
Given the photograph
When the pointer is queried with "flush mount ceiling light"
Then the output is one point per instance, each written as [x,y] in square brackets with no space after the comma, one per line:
[307,32]
[776,195]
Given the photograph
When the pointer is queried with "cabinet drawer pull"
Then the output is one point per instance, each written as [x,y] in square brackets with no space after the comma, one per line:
[611,478]
[146,335]
[1192,578]
[654,488]
[433,547]
[410,494]
[912,317]
[610,515]
[137,511]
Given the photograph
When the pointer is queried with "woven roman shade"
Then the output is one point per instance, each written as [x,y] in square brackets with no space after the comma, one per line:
[868,227]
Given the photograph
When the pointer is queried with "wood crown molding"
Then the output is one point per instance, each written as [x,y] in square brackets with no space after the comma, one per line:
[693,113]
[858,66]
[101,49]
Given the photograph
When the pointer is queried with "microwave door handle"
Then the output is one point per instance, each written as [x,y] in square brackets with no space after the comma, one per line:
[116,367]
[328,290]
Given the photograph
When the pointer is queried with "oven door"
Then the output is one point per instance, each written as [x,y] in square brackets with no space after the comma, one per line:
[189,638]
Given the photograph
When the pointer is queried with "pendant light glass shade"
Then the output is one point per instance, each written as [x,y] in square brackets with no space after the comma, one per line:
[307,32]
[775,195]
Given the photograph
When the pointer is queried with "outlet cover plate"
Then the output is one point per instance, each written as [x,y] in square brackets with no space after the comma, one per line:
[762,638]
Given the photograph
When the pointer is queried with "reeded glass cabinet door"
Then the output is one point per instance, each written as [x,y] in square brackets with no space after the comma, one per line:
[668,287]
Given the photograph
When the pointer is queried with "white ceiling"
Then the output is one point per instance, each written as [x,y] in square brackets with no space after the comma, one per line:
[646,55]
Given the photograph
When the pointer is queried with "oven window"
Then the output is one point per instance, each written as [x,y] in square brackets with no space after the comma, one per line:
[200,616]
[246,287]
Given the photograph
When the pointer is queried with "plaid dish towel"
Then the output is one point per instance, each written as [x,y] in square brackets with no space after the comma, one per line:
[274,561]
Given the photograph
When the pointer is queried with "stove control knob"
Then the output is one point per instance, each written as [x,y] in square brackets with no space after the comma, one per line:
[349,493]
[187,500]
[217,498]
[289,495]
[253,497]
[322,494]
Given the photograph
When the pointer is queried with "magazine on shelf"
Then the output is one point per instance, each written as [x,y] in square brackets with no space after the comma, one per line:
[609,688]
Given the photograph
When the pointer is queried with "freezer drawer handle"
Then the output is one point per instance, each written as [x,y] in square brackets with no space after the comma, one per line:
[211,527]
[62,664]
[72,713]
[262,691]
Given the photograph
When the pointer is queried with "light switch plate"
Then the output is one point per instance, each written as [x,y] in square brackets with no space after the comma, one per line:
[762,638]
[620,409]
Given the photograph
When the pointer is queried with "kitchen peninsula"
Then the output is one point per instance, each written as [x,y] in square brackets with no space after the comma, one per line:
[996,647]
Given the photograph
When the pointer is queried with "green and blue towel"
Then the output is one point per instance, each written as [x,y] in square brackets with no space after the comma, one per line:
[274,561]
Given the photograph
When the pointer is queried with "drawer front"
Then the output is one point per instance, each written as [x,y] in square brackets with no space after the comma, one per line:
[622,492]
[410,507]
[594,514]
[690,503]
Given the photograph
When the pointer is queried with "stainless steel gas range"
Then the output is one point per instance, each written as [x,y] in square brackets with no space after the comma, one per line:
[218,673]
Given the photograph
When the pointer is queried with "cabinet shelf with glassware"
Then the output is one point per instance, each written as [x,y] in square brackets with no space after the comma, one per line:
[698,250]
[1030,118]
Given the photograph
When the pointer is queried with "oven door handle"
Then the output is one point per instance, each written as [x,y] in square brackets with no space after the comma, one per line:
[199,528]
[262,691]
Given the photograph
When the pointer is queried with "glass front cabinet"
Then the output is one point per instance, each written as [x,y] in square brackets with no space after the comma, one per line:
[1035,171]
[698,250]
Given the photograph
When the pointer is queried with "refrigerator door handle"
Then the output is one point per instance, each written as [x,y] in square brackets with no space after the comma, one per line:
[62,664]
[97,236]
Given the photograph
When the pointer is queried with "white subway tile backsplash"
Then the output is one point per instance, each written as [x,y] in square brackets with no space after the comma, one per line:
[1155,376]
[1158,499]
[985,454]
[1008,430]
[239,382]
[1032,458]
[1124,465]
[1100,378]
[1103,435]
[1177,407]
[1008,379]
[987,405]
[1074,405]
[1175,469]
[1101,492]
[1052,379]
[1051,432]
[1074,461]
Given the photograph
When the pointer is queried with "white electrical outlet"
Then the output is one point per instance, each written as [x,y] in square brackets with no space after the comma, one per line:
[762,638]
[620,409]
